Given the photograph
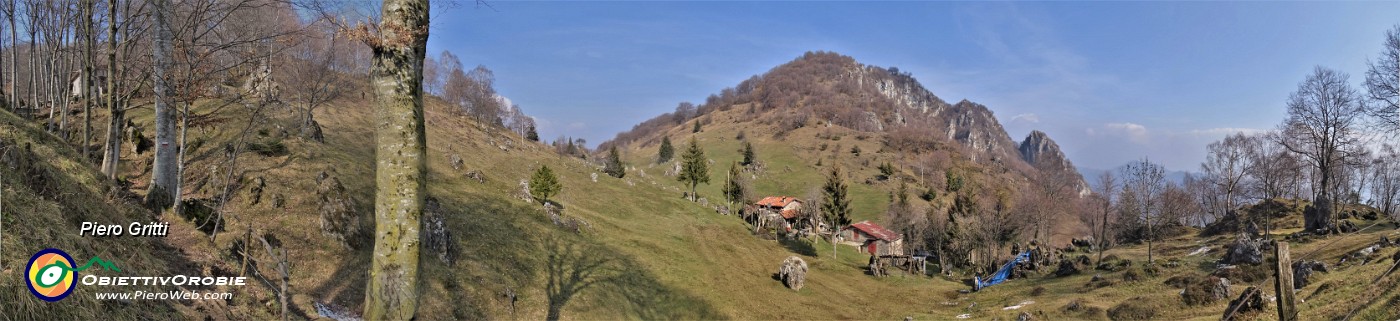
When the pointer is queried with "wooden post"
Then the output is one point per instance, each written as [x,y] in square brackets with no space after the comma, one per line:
[282,270]
[1283,283]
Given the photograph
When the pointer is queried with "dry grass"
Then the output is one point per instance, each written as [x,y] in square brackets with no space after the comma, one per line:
[672,258]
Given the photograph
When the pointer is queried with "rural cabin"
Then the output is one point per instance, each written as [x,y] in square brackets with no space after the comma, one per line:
[786,206]
[874,239]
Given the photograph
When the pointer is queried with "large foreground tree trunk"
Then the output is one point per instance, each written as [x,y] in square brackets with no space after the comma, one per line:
[163,178]
[400,156]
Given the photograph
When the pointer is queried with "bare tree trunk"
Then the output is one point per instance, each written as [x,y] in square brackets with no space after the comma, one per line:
[180,165]
[33,72]
[1150,236]
[163,174]
[401,148]
[1103,234]
[89,6]
[3,95]
[14,54]
[111,155]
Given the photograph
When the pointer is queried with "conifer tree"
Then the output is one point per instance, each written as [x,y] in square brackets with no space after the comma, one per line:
[543,184]
[614,166]
[694,169]
[836,205]
[666,151]
[749,157]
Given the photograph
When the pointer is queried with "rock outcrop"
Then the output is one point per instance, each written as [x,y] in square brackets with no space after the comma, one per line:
[1245,250]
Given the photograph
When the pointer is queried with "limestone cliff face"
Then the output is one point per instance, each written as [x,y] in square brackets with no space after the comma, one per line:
[1039,149]
[968,123]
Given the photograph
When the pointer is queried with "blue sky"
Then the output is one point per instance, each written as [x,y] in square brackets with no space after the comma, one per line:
[1109,81]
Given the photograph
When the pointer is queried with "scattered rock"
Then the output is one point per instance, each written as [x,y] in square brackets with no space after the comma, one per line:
[1081,307]
[477,176]
[524,193]
[339,219]
[793,272]
[1345,226]
[256,190]
[593,176]
[1206,290]
[1083,260]
[1252,229]
[1245,250]
[1303,270]
[1067,268]
[456,161]
[1025,316]
[437,238]
[312,131]
[1113,263]
[1250,301]
[1097,277]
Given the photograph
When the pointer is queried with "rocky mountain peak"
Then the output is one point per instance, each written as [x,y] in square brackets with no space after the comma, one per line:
[1042,152]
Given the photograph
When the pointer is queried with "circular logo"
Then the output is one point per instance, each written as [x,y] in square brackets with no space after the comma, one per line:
[50,275]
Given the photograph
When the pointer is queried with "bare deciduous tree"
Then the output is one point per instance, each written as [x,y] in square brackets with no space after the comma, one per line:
[1104,198]
[1144,183]
[1383,84]
[1323,116]
[1386,172]
[1226,163]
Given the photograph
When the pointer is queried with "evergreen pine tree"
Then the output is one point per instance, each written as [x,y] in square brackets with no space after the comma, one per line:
[614,166]
[749,157]
[543,184]
[836,205]
[735,188]
[531,134]
[666,151]
[697,127]
[694,169]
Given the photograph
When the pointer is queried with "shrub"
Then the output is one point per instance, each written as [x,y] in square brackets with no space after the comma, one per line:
[886,171]
[268,148]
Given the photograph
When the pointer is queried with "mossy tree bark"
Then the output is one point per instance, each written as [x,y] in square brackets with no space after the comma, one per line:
[401,144]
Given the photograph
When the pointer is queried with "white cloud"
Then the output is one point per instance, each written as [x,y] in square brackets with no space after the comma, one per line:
[1135,133]
[1027,117]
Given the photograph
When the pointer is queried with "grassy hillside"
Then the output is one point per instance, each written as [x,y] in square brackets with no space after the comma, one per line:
[643,253]
[47,193]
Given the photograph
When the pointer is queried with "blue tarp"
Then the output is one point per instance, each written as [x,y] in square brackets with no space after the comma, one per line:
[1002,274]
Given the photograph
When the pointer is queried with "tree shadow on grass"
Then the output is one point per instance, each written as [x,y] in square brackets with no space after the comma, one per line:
[576,266]
[798,246]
